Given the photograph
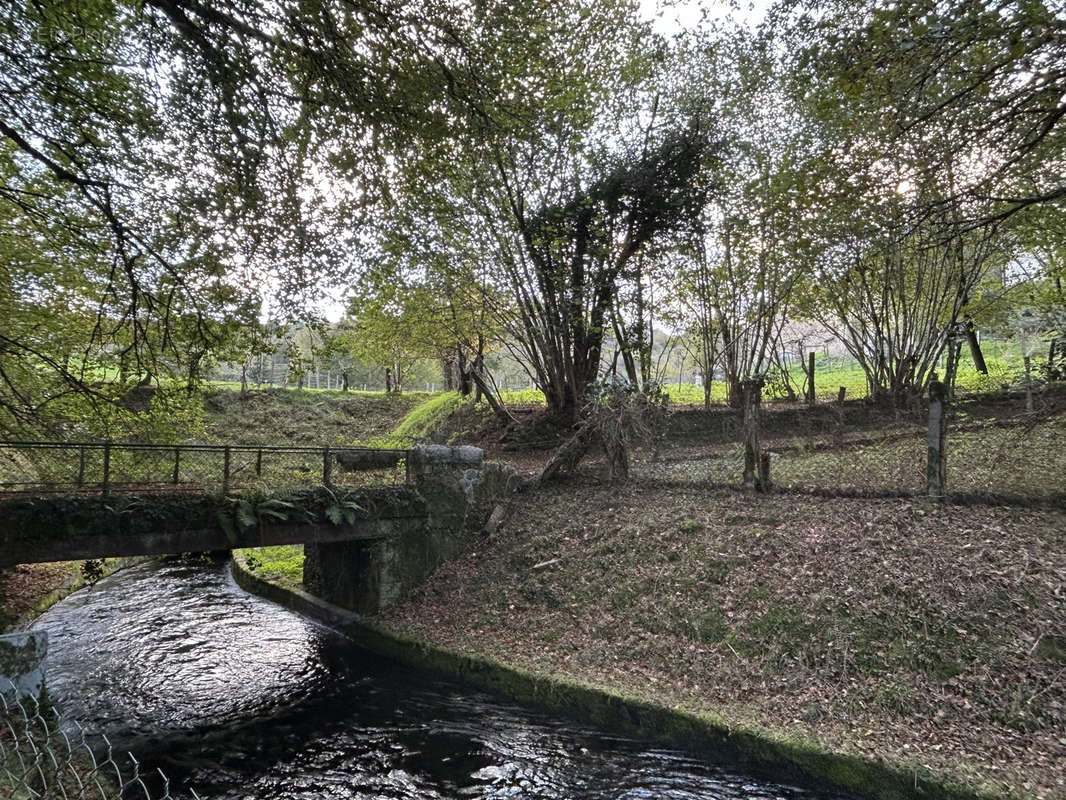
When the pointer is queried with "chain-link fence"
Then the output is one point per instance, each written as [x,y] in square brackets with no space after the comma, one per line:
[103,467]
[44,757]
[1008,449]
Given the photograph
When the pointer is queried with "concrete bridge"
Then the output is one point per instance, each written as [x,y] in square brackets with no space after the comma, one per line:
[365,547]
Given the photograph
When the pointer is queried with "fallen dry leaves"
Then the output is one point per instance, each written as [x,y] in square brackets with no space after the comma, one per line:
[882,627]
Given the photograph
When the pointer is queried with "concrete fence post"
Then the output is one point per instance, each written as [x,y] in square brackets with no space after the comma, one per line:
[936,464]
[756,468]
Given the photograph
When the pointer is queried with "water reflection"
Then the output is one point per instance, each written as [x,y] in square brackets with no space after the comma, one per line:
[240,698]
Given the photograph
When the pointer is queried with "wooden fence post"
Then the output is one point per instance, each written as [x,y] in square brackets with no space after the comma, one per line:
[975,348]
[936,465]
[954,352]
[177,465]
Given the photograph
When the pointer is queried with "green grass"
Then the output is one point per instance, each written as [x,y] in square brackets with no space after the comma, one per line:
[1004,369]
[523,397]
[283,564]
[310,417]
[426,417]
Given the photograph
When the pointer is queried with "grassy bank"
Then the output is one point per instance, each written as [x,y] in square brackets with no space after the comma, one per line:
[931,639]
[282,565]
[928,637]
[290,417]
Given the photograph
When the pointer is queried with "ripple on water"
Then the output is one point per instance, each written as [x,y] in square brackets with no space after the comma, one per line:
[240,698]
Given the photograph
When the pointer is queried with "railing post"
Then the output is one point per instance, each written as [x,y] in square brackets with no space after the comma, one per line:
[327,467]
[106,486]
[177,464]
[259,462]
[225,470]
[81,466]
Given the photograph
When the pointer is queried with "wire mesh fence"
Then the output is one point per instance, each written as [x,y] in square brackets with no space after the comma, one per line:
[999,451]
[45,757]
[104,467]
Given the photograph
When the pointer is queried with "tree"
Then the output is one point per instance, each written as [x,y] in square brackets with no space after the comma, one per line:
[738,270]
[916,157]
[985,79]
[177,154]
[576,252]
[548,194]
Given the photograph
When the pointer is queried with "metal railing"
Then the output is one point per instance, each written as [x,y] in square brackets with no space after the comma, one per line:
[105,467]
[43,756]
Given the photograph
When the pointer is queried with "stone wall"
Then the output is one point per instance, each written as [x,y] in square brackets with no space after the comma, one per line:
[458,489]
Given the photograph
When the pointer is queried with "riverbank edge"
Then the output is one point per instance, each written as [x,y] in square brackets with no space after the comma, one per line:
[74,582]
[760,752]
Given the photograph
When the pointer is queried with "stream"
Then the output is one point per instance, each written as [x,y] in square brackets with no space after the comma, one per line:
[239,698]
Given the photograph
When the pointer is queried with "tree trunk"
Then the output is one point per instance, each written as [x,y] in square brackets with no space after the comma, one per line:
[736,393]
[954,352]
[975,349]
[810,379]
[388,379]
[465,384]
[447,370]
[344,381]
[1028,385]
[490,396]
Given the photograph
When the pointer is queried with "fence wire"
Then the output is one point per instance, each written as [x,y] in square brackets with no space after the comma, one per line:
[44,757]
[103,467]
[999,451]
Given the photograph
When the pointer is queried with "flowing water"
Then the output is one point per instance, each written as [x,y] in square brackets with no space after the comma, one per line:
[239,698]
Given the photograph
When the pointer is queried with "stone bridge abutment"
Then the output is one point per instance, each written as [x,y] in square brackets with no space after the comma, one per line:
[458,489]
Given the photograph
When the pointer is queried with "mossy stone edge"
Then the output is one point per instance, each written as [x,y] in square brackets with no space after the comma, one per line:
[803,763]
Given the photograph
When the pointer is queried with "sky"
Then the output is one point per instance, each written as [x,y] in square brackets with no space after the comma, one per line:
[672,16]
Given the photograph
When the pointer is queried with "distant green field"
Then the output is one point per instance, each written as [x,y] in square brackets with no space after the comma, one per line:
[1004,369]
[1003,358]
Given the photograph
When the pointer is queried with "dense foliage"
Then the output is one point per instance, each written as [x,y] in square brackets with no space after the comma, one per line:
[553,180]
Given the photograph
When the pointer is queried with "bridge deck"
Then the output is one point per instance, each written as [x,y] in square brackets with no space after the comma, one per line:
[78,527]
